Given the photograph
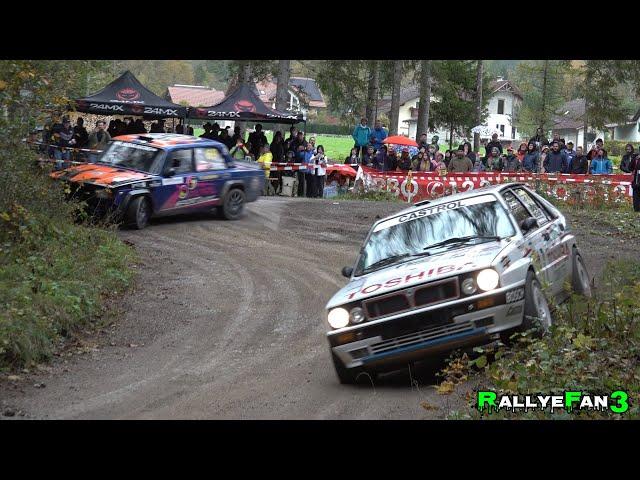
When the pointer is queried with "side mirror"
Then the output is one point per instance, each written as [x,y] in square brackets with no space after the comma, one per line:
[347,271]
[170,172]
[528,224]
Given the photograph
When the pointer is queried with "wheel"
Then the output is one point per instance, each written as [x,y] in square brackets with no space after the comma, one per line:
[233,205]
[536,308]
[346,376]
[138,213]
[580,277]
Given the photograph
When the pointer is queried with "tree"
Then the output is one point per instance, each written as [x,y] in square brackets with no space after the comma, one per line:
[344,83]
[425,98]
[394,114]
[157,75]
[372,91]
[282,91]
[479,97]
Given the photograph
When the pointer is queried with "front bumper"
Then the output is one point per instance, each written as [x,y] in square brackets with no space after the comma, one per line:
[423,332]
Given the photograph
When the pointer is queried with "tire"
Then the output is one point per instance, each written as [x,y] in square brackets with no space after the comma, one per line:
[233,204]
[580,276]
[138,213]
[537,313]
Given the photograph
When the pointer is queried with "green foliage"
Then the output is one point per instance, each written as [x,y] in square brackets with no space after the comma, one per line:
[370,195]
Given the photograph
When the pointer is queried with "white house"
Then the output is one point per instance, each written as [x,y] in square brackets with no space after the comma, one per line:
[304,95]
[628,131]
[502,107]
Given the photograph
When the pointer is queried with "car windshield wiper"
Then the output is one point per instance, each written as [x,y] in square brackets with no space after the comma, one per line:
[453,240]
[386,261]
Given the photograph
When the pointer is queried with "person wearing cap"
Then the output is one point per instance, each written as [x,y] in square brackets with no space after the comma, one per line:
[404,162]
[494,143]
[460,163]
[570,153]
[512,162]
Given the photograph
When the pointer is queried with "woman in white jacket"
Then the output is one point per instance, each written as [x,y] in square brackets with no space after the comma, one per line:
[319,163]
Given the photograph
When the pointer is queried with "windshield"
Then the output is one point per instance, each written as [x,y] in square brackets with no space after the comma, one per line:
[433,229]
[130,155]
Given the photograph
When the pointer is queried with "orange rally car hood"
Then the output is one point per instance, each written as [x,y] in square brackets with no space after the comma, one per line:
[98,174]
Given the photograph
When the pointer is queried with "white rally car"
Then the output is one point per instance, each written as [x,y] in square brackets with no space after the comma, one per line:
[454,272]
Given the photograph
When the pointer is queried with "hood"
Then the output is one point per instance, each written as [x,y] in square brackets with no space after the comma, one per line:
[420,270]
[99,174]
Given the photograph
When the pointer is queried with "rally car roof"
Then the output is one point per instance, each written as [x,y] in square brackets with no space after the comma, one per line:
[166,140]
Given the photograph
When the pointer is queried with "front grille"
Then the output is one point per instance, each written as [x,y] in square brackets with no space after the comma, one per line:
[428,334]
[422,296]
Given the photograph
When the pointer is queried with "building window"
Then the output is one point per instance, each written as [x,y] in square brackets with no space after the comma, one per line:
[513,133]
[501,107]
[502,130]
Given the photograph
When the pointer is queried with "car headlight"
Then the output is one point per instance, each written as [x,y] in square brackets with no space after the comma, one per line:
[356,315]
[488,279]
[469,286]
[338,318]
[104,193]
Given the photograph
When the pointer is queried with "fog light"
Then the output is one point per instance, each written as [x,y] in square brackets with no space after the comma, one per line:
[338,318]
[488,279]
[469,286]
[357,315]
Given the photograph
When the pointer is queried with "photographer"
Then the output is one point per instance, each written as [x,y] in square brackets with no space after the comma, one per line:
[319,162]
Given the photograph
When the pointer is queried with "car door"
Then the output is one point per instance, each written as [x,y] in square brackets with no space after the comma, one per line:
[558,258]
[535,243]
[169,196]
[211,173]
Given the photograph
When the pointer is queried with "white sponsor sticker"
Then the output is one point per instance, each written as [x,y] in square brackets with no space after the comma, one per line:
[433,209]
[172,181]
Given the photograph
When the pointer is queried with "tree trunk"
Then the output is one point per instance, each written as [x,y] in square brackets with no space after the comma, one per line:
[543,110]
[244,77]
[425,99]
[394,114]
[584,129]
[479,74]
[451,137]
[282,91]
[372,92]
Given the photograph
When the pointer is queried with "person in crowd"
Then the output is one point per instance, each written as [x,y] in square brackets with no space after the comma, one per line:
[417,159]
[479,165]
[512,162]
[404,162]
[312,142]
[139,124]
[319,162]
[634,167]
[180,128]
[468,151]
[369,157]
[493,161]
[434,142]
[227,140]
[293,133]
[238,135]
[277,146]
[579,164]
[309,173]
[189,130]
[129,126]
[380,158]
[494,143]
[80,134]
[543,157]
[601,164]
[570,153]
[63,139]
[629,154]
[207,130]
[556,160]
[522,151]
[215,133]
[448,155]
[423,142]
[557,138]
[440,166]
[155,128]
[595,148]
[98,140]
[431,152]
[539,139]
[239,151]
[299,158]
[112,128]
[378,134]
[361,135]
[265,159]
[298,142]
[257,139]
[391,162]
[459,163]
[531,160]
[353,158]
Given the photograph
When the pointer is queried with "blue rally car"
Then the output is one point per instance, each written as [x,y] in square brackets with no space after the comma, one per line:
[151,175]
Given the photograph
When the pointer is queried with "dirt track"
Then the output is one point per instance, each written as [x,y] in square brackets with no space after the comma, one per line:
[226,322]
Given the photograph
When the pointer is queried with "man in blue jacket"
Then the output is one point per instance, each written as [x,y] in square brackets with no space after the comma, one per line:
[361,135]
[601,164]
[556,161]
[378,135]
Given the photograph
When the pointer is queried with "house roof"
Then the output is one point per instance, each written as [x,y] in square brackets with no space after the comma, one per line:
[570,115]
[406,94]
[502,85]
[195,96]
[306,87]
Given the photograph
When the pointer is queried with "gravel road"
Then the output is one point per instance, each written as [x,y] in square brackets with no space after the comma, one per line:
[226,322]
